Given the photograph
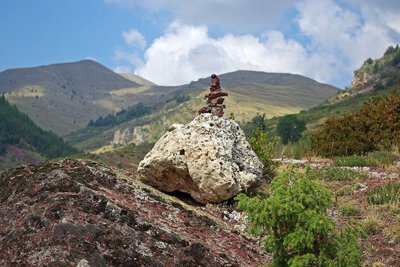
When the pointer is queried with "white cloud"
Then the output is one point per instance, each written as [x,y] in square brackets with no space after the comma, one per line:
[341,38]
[186,53]
[134,38]
[331,40]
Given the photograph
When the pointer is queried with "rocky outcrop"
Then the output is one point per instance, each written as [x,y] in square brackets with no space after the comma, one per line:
[79,213]
[123,137]
[208,158]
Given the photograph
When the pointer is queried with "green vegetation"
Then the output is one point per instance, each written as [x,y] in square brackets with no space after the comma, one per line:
[374,127]
[337,174]
[296,150]
[263,144]
[388,193]
[375,158]
[348,209]
[122,116]
[290,128]
[351,161]
[297,230]
[16,128]
[257,122]
[370,225]
[179,98]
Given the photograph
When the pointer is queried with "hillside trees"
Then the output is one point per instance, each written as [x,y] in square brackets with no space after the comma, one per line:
[121,116]
[16,128]
[290,128]
[375,126]
[257,122]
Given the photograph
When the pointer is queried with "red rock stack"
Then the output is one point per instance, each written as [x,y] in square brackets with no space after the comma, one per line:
[215,99]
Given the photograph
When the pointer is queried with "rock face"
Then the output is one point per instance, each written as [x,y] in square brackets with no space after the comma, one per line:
[79,213]
[208,158]
[122,137]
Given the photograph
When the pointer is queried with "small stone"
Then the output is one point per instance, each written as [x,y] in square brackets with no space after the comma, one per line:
[83,263]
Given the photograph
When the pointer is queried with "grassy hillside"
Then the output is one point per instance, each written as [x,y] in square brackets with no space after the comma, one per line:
[64,97]
[381,81]
[137,79]
[250,93]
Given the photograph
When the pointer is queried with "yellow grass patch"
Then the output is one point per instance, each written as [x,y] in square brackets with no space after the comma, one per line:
[129,91]
[27,91]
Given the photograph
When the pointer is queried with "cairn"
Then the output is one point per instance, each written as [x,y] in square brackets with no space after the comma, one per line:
[215,99]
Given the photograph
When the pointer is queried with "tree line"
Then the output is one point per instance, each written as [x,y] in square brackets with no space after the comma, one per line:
[16,128]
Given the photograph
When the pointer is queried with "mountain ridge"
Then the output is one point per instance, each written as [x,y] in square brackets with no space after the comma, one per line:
[79,88]
[65,97]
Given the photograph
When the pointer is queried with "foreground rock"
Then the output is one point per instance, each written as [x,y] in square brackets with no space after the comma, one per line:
[208,158]
[71,213]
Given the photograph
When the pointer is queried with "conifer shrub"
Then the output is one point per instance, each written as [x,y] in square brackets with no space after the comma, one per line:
[263,144]
[295,227]
[375,126]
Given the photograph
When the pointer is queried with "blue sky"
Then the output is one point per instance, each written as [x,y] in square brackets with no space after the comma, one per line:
[174,42]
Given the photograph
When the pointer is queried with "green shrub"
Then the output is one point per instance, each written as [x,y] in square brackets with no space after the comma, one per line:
[297,229]
[388,193]
[290,128]
[263,145]
[337,174]
[375,126]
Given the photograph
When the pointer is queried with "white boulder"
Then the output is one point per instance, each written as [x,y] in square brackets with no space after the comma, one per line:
[209,158]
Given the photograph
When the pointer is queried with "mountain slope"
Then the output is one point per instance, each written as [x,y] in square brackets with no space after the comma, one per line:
[19,135]
[374,78]
[137,79]
[250,93]
[64,97]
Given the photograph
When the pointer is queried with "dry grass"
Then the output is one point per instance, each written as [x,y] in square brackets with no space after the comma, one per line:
[129,91]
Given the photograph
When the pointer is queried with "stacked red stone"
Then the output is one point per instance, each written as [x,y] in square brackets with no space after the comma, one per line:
[215,99]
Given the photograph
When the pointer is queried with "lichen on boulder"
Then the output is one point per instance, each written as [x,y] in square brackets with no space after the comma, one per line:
[209,158]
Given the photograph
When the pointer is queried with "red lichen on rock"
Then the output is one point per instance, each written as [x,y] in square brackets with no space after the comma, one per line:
[66,212]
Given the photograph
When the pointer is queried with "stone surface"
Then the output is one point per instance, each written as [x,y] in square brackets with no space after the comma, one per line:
[208,158]
[214,99]
[80,213]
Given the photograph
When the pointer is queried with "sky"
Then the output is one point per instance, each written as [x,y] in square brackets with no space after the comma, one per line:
[173,42]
